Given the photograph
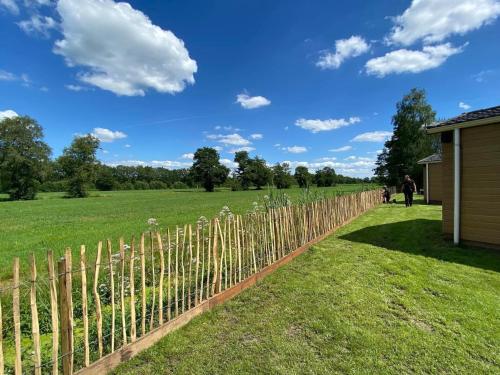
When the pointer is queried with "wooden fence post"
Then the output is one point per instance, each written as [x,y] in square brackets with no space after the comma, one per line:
[65,313]
[18,367]
[35,327]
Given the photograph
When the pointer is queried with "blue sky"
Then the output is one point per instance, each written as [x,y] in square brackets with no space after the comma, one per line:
[309,82]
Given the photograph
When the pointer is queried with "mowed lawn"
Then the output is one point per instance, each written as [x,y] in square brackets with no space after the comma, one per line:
[53,222]
[383,295]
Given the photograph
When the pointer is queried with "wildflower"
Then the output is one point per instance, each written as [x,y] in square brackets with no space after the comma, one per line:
[152,222]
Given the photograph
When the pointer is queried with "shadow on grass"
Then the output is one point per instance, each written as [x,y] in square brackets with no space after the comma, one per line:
[423,237]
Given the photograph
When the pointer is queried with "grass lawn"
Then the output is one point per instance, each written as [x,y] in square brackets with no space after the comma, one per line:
[51,222]
[385,294]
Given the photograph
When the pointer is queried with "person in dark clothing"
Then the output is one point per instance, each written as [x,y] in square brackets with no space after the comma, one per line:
[386,195]
[408,188]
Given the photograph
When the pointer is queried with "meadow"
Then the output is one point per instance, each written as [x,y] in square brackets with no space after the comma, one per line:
[54,222]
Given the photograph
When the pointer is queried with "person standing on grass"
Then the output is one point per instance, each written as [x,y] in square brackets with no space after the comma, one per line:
[408,188]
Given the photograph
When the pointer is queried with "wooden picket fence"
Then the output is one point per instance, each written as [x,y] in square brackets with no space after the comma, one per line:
[87,316]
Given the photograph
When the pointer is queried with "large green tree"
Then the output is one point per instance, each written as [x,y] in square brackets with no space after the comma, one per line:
[325,177]
[80,165]
[207,168]
[302,176]
[282,178]
[24,157]
[409,142]
[252,171]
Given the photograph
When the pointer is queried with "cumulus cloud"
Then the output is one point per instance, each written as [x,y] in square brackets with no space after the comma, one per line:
[316,125]
[411,61]
[252,102]
[122,51]
[108,136]
[229,163]
[189,156]
[9,113]
[341,149]
[434,20]
[244,148]
[376,136]
[295,149]
[359,167]
[171,164]
[37,24]
[344,49]
[230,139]
[464,106]
[256,136]
[10,5]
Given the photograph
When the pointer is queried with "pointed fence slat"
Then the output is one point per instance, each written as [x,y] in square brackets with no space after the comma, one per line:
[85,316]
[97,299]
[53,313]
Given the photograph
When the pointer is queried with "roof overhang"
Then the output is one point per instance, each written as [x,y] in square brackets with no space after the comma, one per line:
[465,124]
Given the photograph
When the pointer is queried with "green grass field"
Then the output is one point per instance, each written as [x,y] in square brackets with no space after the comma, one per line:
[53,222]
[383,295]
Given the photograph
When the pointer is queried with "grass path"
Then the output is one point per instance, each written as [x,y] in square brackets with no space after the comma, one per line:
[385,294]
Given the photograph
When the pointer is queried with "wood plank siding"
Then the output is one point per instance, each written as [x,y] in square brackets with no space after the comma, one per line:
[480,185]
[435,182]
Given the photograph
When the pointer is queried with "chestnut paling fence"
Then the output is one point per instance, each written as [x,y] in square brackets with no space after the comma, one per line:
[87,308]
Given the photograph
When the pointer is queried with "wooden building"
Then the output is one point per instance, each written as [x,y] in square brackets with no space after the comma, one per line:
[433,184]
[471,176]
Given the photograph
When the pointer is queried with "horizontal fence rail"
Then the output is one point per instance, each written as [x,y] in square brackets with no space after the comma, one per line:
[136,290]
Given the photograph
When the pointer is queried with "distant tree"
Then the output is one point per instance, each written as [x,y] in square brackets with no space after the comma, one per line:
[409,142]
[80,164]
[207,169]
[241,174]
[325,177]
[281,176]
[24,157]
[259,173]
[302,176]
[105,180]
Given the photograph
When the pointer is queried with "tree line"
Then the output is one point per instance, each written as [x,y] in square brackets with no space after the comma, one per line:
[26,167]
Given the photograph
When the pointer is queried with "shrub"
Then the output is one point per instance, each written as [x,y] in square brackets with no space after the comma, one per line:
[158,185]
[179,185]
[141,185]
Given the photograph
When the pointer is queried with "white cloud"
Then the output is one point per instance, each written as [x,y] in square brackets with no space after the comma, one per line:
[252,102]
[127,146]
[295,149]
[376,136]
[172,164]
[464,106]
[244,148]
[411,61]
[341,149]
[344,49]
[76,88]
[483,75]
[7,76]
[108,136]
[256,136]
[229,163]
[352,157]
[230,139]
[434,20]
[38,24]
[123,51]
[326,125]
[10,5]
[9,113]
[360,167]
[189,156]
